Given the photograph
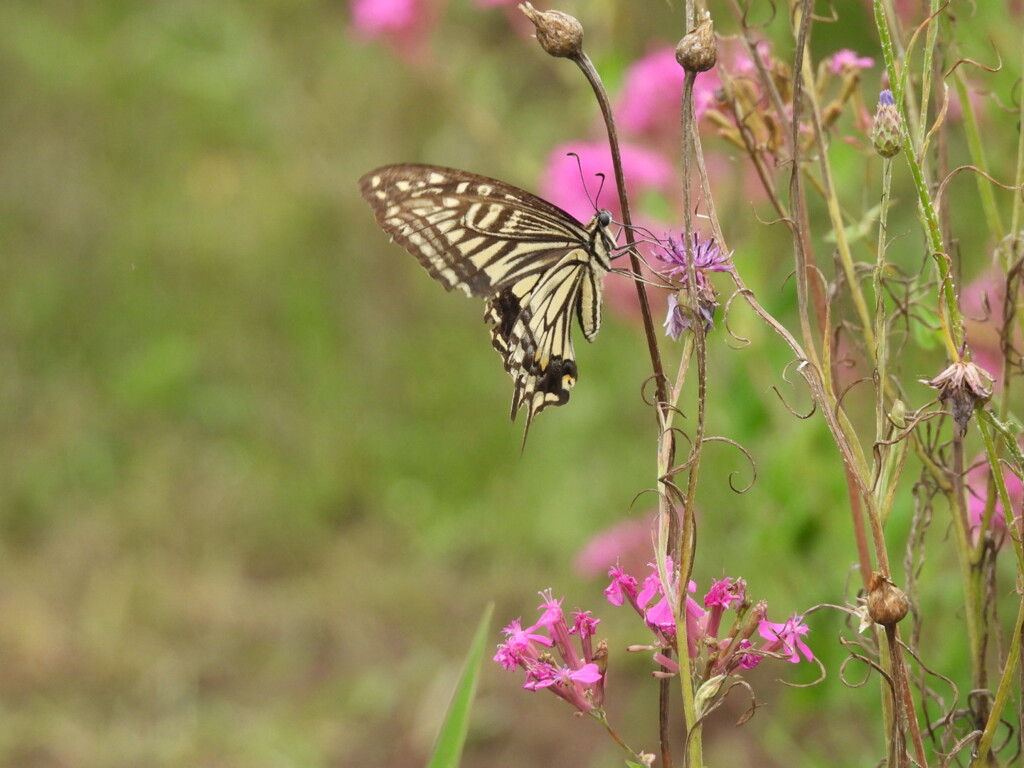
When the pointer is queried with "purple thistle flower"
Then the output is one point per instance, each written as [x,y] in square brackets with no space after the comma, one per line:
[676,320]
[707,257]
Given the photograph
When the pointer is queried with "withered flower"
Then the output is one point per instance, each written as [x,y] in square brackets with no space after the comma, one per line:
[962,386]
[697,51]
[887,603]
[559,34]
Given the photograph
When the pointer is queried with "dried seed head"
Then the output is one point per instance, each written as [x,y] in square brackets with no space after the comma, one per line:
[963,385]
[887,603]
[559,34]
[698,50]
[887,132]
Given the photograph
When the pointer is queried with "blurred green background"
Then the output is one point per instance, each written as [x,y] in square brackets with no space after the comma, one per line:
[257,481]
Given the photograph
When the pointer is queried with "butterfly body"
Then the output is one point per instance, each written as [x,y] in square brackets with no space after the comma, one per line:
[536,265]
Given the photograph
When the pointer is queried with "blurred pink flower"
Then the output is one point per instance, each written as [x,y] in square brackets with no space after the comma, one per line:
[982,301]
[742,64]
[629,543]
[847,59]
[914,11]
[378,17]
[977,496]
[403,26]
[652,90]
[562,184]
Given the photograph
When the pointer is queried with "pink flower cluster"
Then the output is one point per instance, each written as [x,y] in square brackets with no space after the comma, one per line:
[733,650]
[577,679]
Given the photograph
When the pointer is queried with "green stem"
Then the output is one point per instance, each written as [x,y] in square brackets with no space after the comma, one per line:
[1006,684]
[952,321]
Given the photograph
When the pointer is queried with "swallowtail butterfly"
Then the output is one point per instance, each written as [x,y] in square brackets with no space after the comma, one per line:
[535,265]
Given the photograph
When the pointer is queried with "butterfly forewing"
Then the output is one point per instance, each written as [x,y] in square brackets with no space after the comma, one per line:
[536,265]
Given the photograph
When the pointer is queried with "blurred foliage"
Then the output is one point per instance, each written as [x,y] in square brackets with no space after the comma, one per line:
[256,478]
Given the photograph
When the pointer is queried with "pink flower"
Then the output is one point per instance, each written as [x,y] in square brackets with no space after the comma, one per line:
[578,680]
[588,673]
[721,596]
[563,185]
[627,542]
[545,675]
[623,586]
[660,617]
[977,497]
[983,301]
[652,91]
[378,17]
[657,613]
[552,610]
[786,638]
[584,624]
[724,592]
[518,645]
[742,64]
[847,59]
[747,660]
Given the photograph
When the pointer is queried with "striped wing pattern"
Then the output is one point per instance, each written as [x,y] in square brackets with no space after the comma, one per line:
[534,264]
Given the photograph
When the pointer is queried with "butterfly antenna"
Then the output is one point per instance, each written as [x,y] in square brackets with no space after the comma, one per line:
[600,188]
[583,182]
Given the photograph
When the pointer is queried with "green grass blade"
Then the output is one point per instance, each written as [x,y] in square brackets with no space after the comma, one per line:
[450,740]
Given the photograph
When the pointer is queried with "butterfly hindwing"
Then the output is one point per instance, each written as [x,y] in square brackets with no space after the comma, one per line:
[535,264]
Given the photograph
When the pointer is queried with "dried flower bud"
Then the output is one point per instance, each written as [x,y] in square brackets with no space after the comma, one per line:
[887,132]
[963,385]
[887,603]
[698,51]
[559,34]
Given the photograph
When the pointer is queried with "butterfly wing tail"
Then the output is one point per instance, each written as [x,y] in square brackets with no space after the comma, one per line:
[541,361]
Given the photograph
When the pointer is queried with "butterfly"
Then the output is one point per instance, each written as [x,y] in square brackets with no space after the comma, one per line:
[536,265]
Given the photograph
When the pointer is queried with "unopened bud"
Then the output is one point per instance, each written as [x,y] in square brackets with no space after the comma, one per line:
[698,51]
[887,132]
[887,603]
[559,34]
